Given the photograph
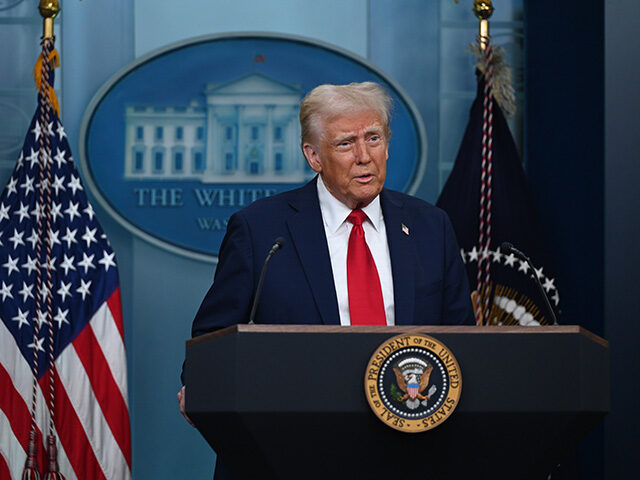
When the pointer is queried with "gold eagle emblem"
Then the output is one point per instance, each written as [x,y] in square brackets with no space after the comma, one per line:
[407,384]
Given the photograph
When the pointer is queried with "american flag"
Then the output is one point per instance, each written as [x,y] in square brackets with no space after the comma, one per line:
[91,408]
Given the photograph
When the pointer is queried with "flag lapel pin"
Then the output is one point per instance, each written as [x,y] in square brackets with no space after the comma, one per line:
[405,229]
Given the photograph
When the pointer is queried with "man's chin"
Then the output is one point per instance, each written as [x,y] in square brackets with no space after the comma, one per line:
[366,197]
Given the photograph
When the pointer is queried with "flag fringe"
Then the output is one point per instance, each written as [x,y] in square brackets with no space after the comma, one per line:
[30,474]
[54,61]
[503,90]
[476,302]
[53,476]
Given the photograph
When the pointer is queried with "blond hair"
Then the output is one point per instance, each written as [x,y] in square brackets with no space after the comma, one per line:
[329,101]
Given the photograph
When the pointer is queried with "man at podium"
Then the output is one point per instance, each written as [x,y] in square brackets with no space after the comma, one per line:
[353,252]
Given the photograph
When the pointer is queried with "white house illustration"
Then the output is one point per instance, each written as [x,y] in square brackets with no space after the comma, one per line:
[247,132]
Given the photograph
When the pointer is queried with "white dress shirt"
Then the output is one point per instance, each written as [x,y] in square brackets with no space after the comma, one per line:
[338,229]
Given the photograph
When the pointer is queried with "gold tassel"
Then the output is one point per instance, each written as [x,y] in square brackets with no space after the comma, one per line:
[54,61]
[31,471]
[53,471]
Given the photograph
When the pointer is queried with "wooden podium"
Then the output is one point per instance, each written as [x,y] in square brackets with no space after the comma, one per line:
[287,402]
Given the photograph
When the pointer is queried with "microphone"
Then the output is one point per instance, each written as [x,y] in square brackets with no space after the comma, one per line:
[509,248]
[278,244]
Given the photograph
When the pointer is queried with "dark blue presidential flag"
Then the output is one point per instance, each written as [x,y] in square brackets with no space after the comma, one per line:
[514,298]
[63,379]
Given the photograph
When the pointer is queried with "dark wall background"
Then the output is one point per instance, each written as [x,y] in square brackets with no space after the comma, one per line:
[582,151]
[564,124]
[622,233]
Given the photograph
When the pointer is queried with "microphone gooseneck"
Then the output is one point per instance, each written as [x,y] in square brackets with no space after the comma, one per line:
[278,244]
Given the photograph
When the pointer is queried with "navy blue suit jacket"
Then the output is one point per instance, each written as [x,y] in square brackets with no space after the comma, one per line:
[429,280]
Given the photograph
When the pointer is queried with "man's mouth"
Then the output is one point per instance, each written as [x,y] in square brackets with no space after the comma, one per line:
[364,178]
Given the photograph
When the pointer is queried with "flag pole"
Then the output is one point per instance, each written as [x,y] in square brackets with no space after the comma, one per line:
[483,9]
[49,9]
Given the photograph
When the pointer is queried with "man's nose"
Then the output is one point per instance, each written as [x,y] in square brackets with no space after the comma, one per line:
[362,153]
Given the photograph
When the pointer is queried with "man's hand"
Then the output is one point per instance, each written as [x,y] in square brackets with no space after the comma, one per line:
[181,403]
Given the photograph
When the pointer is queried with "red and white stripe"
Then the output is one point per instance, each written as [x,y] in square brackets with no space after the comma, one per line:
[92,417]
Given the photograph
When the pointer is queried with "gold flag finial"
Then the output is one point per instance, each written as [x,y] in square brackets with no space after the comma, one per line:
[49,9]
[483,9]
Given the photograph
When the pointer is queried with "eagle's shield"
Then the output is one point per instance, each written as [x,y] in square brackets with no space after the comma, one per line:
[412,390]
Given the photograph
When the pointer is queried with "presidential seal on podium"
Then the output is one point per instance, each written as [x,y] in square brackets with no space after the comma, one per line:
[413,383]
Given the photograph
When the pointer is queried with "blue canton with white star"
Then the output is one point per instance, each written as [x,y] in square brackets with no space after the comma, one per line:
[82,263]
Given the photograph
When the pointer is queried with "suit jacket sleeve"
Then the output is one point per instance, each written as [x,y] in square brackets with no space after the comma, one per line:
[228,301]
[457,308]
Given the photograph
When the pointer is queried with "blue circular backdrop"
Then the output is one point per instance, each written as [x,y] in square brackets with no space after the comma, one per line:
[178,74]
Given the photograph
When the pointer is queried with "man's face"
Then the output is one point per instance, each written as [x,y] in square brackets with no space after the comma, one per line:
[351,157]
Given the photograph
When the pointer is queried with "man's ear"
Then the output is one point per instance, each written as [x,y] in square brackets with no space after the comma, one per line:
[313,159]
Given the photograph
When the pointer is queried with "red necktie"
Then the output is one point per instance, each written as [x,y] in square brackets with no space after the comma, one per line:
[366,306]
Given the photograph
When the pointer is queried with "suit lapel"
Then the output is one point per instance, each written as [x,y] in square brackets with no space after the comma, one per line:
[310,241]
[401,251]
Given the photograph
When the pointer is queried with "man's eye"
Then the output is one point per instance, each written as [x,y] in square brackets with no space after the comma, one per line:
[374,138]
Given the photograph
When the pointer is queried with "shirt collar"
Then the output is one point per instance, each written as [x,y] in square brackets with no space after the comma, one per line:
[334,212]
